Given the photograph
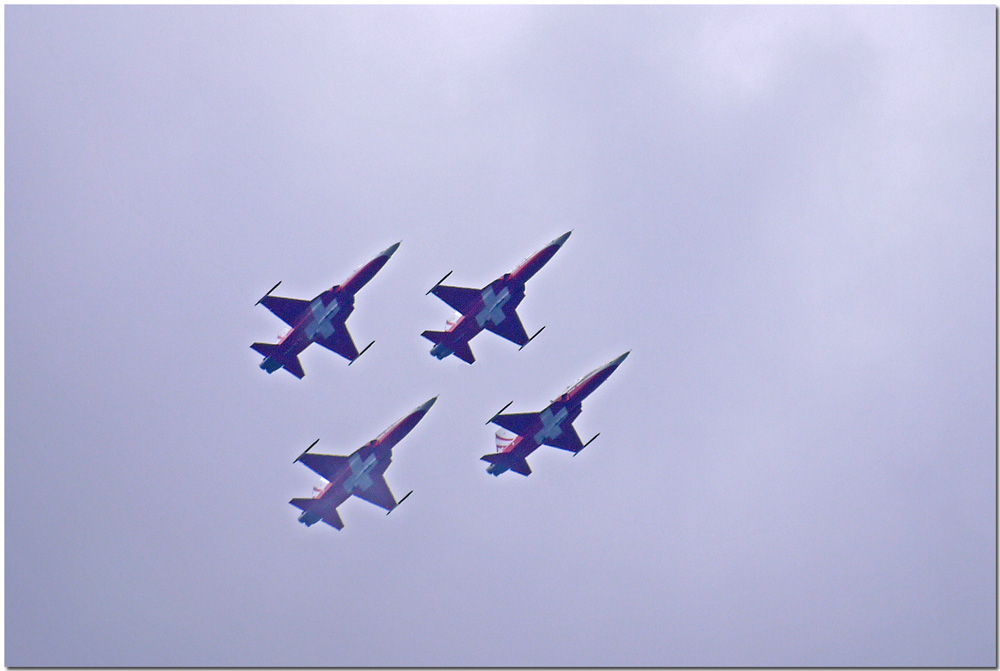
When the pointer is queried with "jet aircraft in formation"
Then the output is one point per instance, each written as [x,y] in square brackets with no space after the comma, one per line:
[552,426]
[320,320]
[494,308]
[361,474]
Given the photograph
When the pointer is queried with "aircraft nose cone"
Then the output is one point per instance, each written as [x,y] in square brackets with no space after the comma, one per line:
[617,362]
[391,250]
[561,239]
[427,406]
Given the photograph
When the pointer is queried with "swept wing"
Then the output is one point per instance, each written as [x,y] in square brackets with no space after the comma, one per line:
[510,328]
[460,298]
[326,465]
[518,422]
[340,342]
[568,440]
[288,310]
[377,493]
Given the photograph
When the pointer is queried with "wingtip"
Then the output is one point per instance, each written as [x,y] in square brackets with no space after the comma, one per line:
[562,238]
[427,406]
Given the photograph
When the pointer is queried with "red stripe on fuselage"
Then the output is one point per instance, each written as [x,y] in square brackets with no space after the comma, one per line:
[364,274]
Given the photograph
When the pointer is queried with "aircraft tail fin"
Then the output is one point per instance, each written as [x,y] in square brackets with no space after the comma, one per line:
[265,348]
[293,366]
[463,351]
[302,504]
[274,359]
[434,336]
[516,464]
[332,517]
[311,516]
[459,348]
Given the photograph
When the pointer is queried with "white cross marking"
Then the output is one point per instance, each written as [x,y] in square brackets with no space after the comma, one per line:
[359,478]
[493,306]
[550,424]
[322,318]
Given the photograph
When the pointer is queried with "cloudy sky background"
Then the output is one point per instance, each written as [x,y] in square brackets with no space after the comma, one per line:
[787,214]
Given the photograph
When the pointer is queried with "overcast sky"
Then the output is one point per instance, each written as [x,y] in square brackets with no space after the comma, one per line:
[787,214]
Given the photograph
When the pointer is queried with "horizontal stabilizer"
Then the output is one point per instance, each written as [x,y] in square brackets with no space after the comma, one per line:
[293,366]
[434,336]
[520,466]
[516,464]
[266,349]
[332,518]
[462,350]
[311,513]
[302,504]
[459,348]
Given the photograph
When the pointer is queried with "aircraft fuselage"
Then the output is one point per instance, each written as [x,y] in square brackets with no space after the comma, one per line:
[367,463]
[321,319]
[550,423]
[495,302]
[326,313]
[357,474]
[560,414]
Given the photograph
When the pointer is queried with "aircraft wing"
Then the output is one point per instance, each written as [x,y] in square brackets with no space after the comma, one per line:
[510,328]
[377,493]
[568,440]
[340,342]
[460,298]
[327,465]
[289,310]
[519,422]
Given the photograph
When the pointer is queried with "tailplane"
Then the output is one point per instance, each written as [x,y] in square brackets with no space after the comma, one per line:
[435,336]
[310,515]
[444,345]
[293,366]
[502,461]
[266,349]
[274,359]
[463,351]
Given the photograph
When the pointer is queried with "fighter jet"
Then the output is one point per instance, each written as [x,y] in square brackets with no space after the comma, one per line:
[552,426]
[361,474]
[320,320]
[493,307]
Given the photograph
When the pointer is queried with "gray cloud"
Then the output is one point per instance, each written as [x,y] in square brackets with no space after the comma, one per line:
[788,214]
